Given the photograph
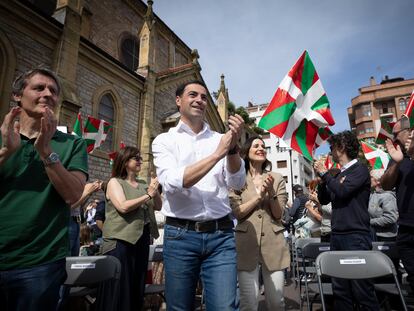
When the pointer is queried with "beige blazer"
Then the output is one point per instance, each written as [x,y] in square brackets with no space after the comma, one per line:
[259,236]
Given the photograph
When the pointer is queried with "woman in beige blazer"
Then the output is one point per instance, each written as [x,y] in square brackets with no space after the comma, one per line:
[259,232]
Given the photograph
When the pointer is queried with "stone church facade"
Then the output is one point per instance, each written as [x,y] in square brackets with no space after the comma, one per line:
[117,61]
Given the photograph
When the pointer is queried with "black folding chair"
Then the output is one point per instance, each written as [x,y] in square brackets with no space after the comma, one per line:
[155,255]
[386,286]
[355,265]
[86,273]
[309,253]
[298,258]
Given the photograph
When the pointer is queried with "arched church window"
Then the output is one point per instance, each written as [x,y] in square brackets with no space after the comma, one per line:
[130,52]
[106,112]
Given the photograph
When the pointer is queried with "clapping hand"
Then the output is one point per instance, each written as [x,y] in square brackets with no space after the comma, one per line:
[395,152]
[48,124]
[153,187]
[10,135]
[313,195]
[409,145]
[320,167]
[267,187]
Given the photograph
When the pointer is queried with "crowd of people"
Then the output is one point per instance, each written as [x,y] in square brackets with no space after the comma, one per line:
[225,212]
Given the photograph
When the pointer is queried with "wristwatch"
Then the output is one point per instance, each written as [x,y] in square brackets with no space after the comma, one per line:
[51,159]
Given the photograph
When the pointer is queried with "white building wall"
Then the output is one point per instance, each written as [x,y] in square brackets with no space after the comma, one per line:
[289,163]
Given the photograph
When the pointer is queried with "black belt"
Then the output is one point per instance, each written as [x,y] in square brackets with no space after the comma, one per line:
[223,223]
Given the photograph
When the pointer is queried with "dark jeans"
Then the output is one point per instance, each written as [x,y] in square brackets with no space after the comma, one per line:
[189,255]
[405,243]
[346,292]
[35,288]
[134,265]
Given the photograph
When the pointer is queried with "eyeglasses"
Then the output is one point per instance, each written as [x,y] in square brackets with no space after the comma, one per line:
[137,158]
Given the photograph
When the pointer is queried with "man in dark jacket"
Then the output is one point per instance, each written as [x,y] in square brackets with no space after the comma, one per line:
[349,194]
[400,174]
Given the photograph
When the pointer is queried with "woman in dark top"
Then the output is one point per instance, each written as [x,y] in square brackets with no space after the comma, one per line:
[130,221]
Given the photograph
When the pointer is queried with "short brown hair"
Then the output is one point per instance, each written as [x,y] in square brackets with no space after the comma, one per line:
[122,157]
[21,81]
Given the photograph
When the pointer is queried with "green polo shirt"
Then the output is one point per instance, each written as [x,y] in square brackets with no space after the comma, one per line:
[33,216]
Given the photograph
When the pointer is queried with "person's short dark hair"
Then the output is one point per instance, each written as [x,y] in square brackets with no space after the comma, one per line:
[21,81]
[181,87]
[297,188]
[244,153]
[122,157]
[346,141]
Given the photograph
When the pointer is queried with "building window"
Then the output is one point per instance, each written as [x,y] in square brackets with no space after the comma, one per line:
[282,164]
[369,130]
[106,112]
[268,150]
[281,149]
[130,52]
[402,104]
[366,110]
[384,108]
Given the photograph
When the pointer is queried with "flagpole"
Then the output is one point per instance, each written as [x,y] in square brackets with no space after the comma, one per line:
[291,173]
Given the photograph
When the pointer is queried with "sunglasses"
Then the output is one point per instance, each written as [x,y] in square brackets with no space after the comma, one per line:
[137,158]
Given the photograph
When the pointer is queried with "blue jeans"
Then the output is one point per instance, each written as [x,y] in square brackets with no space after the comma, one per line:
[74,242]
[189,255]
[35,288]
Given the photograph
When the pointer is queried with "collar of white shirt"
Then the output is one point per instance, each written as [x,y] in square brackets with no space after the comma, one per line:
[348,165]
[181,126]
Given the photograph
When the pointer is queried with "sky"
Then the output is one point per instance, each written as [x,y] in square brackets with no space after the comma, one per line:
[254,43]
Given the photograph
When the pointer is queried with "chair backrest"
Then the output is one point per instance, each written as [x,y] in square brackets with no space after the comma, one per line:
[156,253]
[388,248]
[89,270]
[300,243]
[354,264]
[312,250]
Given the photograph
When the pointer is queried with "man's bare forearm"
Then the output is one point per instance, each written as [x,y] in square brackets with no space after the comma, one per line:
[195,172]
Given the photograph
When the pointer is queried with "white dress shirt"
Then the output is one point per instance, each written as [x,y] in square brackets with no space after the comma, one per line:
[348,165]
[208,198]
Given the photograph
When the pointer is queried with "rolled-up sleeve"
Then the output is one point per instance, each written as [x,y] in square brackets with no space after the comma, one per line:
[169,175]
[237,180]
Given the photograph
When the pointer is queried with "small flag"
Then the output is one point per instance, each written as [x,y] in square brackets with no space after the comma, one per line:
[409,111]
[329,163]
[299,108]
[95,132]
[112,155]
[384,129]
[77,128]
[375,156]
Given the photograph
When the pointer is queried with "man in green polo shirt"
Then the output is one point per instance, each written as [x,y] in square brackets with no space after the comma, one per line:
[42,172]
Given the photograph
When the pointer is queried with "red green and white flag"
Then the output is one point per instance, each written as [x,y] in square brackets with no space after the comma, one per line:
[299,108]
[329,163]
[375,156]
[77,128]
[95,132]
[409,111]
[384,129]
[323,134]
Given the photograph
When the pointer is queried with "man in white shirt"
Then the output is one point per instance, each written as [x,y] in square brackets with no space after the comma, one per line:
[195,167]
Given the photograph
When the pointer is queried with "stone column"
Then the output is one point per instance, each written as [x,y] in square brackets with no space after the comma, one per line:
[68,12]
